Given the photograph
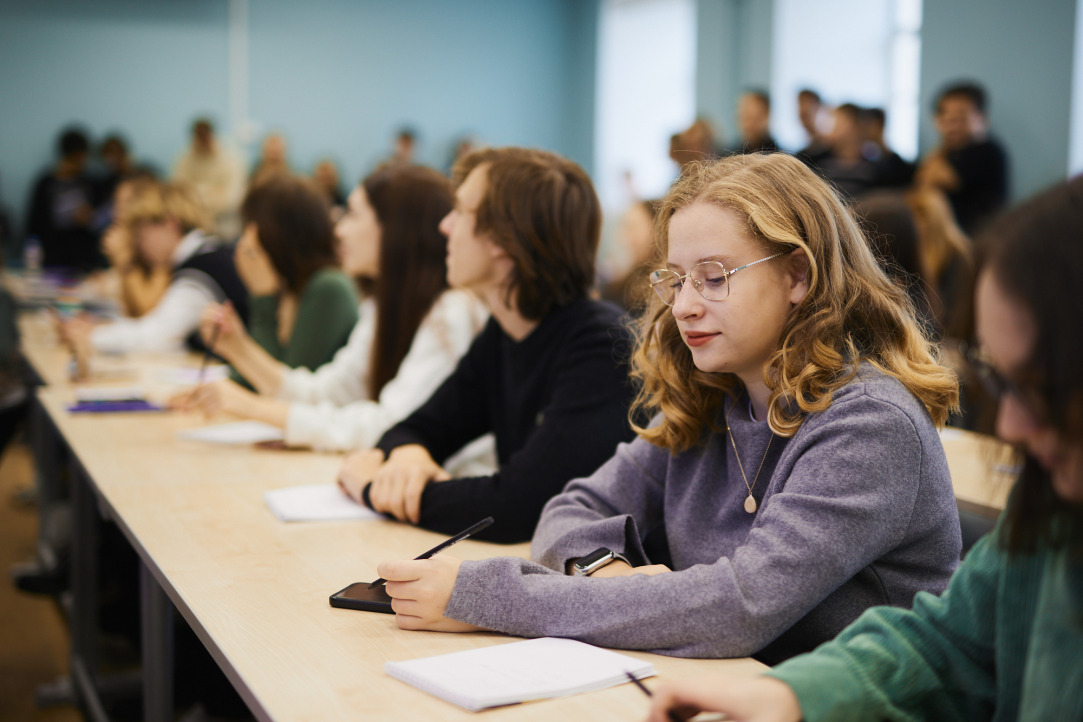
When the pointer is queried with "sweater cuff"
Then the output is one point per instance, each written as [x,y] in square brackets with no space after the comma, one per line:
[618,533]
[807,674]
[303,426]
[473,600]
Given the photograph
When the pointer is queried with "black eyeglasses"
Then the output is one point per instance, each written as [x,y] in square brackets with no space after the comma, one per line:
[995,384]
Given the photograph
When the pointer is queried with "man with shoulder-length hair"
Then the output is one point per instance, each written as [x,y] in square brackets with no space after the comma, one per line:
[546,376]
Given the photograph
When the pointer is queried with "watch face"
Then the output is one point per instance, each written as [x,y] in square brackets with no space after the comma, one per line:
[593,561]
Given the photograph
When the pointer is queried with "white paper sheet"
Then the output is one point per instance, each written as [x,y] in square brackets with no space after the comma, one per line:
[318,502]
[238,433]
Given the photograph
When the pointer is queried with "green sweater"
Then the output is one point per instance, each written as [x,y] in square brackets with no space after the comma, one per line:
[1003,642]
[326,313]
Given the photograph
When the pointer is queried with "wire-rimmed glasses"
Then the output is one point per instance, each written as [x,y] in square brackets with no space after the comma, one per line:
[709,278]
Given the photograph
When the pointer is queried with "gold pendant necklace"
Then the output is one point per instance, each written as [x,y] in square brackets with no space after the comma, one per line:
[750,502]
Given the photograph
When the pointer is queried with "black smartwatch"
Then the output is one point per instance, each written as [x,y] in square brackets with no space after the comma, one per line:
[585,566]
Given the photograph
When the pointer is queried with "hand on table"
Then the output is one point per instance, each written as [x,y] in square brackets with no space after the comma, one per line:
[75,333]
[357,471]
[420,591]
[398,483]
[220,397]
[756,699]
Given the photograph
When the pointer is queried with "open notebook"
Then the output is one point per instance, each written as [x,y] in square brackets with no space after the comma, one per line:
[518,672]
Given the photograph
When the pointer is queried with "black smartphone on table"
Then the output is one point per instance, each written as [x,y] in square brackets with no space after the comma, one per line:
[359,596]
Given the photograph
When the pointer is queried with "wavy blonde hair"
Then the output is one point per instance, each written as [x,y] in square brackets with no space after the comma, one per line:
[153,201]
[852,312]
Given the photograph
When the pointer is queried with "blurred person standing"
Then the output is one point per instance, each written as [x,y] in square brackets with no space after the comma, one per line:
[811,111]
[754,120]
[273,160]
[894,172]
[216,176]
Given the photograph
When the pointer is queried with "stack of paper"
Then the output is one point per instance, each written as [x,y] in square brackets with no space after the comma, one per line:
[319,502]
[518,672]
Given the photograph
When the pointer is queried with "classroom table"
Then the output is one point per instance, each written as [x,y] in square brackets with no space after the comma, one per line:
[255,590]
[983,470]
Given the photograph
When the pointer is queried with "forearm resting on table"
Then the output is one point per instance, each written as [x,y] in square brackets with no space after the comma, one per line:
[261,370]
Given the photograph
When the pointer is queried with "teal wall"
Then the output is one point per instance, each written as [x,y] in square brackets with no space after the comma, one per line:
[336,76]
[1022,52]
[733,52]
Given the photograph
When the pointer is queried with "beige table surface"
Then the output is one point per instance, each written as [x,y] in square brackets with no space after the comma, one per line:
[983,469]
[255,589]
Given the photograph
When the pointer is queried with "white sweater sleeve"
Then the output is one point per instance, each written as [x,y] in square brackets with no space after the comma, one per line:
[441,339]
[344,379]
[164,328]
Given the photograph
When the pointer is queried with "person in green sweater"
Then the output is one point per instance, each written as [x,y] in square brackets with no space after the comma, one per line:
[302,307]
[1005,640]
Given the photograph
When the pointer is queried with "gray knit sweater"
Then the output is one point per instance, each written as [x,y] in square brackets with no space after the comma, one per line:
[855,510]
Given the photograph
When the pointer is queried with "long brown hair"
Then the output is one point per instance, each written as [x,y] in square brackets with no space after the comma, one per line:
[852,312]
[409,202]
[543,211]
[1036,256]
[294,226]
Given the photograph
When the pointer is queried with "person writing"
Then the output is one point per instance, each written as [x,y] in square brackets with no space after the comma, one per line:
[412,329]
[1003,641]
[793,468]
[545,375]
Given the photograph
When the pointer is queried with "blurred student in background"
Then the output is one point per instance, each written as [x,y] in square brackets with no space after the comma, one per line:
[214,173]
[273,160]
[168,226]
[968,165]
[140,286]
[754,121]
[62,207]
[635,236]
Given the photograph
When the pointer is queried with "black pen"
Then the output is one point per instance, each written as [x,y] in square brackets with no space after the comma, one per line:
[445,544]
[671,714]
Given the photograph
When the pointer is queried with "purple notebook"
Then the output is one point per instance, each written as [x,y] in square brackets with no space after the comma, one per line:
[107,407]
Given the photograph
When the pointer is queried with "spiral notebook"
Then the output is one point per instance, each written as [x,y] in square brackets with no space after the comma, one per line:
[518,672]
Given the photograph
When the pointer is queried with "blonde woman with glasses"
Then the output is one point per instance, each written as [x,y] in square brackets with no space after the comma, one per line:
[792,476]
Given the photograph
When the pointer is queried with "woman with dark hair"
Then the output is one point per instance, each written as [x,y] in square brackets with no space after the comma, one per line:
[1003,641]
[302,306]
[412,330]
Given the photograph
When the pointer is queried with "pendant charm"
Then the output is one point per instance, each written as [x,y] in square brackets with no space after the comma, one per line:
[750,505]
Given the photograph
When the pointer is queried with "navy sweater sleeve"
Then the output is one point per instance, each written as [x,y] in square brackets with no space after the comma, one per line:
[563,402]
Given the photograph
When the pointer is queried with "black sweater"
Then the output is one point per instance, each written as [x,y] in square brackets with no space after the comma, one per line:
[557,403]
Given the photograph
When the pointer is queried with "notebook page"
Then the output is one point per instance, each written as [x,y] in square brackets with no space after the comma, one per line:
[318,502]
[518,672]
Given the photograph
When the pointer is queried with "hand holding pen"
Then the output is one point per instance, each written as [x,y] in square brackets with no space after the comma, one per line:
[421,588]
[221,329]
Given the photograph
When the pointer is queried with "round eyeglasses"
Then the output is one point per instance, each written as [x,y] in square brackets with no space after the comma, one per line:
[709,278]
